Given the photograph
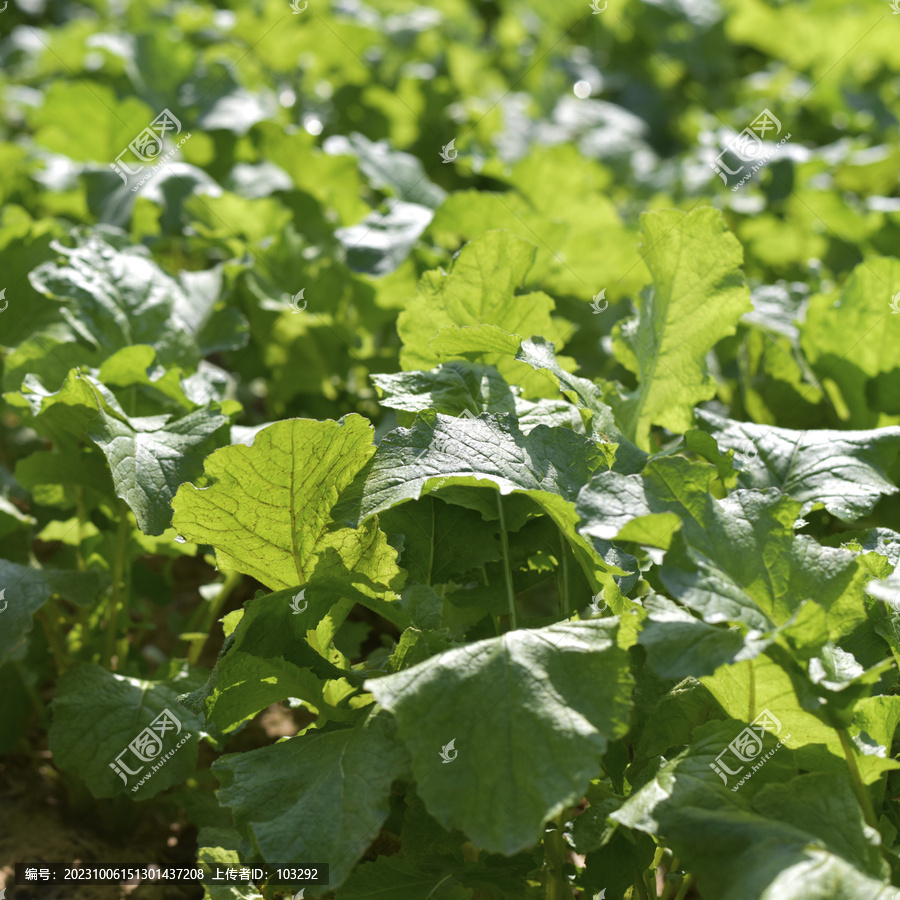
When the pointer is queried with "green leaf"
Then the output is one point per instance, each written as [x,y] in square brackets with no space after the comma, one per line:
[118,296]
[221,848]
[451,388]
[319,797]
[698,297]
[400,173]
[679,645]
[270,657]
[737,559]
[846,471]
[24,590]
[598,417]
[268,508]
[382,241]
[151,457]
[439,540]
[526,721]
[783,835]
[859,370]
[99,715]
[548,465]
[482,288]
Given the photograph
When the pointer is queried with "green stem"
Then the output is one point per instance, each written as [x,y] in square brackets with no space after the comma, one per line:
[115,601]
[80,513]
[685,887]
[565,606]
[30,689]
[232,580]
[55,640]
[556,887]
[862,793]
[639,885]
[504,544]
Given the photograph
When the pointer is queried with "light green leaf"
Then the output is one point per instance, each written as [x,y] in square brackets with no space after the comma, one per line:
[220,848]
[863,368]
[268,508]
[525,718]
[698,297]
[482,288]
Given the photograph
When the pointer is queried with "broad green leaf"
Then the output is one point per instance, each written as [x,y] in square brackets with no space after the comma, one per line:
[321,796]
[24,590]
[439,540]
[59,120]
[268,508]
[541,355]
[549,466]
[745,689]
[118,296]
[452,388]
[862,307]
[697,298]
[101,718]
[382,241]
[679,645]
[525,719]
[737,559]
[151,457]
[270,657]
[844,470]
[482,288]
[400,173]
